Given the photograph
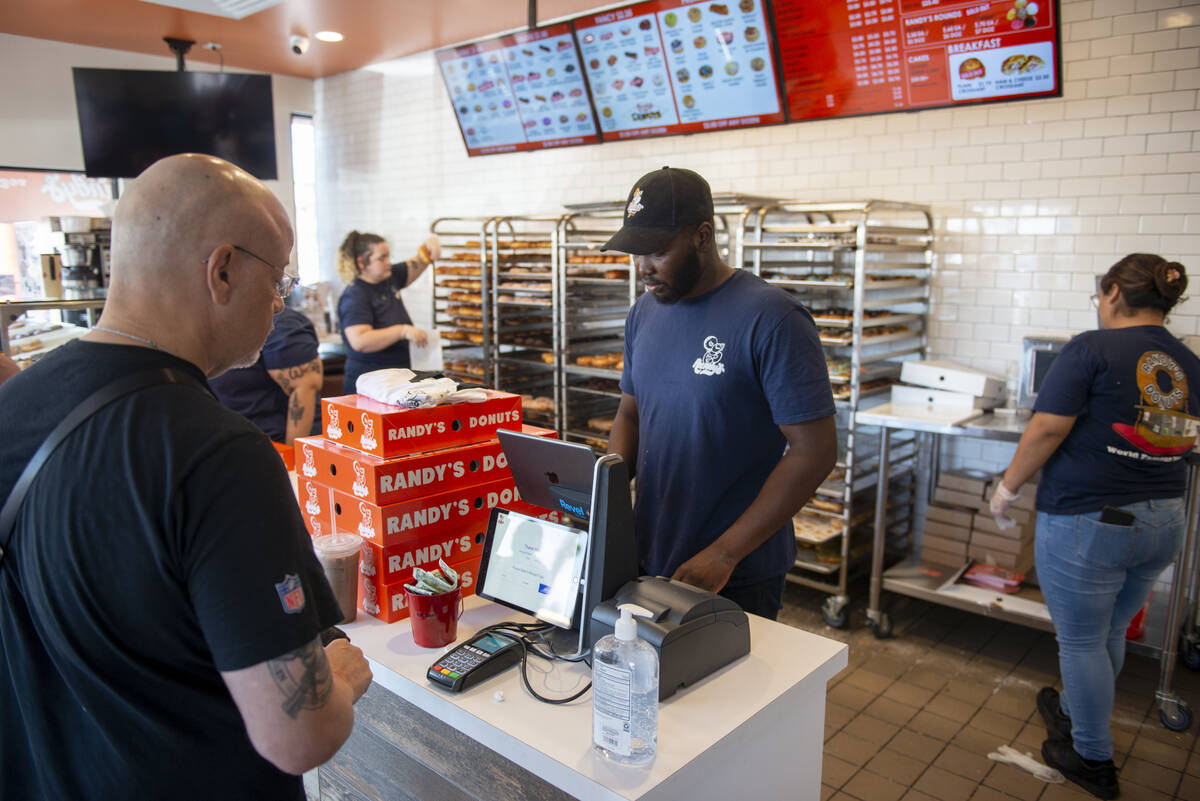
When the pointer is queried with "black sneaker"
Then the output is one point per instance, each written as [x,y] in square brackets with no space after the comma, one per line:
[1058,725]
[1098,779]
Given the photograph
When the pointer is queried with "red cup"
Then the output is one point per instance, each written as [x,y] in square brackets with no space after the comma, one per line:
[1137,626]
[434,617]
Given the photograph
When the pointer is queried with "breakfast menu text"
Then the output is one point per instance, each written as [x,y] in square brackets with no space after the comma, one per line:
[674,66]
[525,91]
[843,57]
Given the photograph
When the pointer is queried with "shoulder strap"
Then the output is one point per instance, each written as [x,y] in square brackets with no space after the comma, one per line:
[92,404]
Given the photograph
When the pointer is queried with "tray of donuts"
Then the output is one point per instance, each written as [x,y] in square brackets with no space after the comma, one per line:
[608,362]
[464,367]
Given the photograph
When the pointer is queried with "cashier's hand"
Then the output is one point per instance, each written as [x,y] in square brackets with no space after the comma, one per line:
[347,662]
[1002,498]
[709,570]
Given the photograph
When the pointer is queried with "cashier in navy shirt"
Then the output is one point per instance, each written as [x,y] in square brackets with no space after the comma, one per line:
[279,392]
[375,325]
[726,411]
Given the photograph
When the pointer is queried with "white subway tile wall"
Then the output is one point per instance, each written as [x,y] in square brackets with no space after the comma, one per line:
[1032,199]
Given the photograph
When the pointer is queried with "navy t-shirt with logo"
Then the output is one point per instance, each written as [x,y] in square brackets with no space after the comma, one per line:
[714,377]
[252,393]
[1126,387]
[377,305]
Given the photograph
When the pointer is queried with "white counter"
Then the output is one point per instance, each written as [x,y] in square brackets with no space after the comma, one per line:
[754,729]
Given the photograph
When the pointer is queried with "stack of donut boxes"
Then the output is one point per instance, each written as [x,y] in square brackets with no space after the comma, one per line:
[959,526]
[417,485]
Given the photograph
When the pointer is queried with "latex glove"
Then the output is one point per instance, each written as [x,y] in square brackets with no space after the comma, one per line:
[1026,761]
[430,250]
[1002,498]
[417,336]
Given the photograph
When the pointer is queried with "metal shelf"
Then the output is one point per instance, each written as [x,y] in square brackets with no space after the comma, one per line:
[827,254]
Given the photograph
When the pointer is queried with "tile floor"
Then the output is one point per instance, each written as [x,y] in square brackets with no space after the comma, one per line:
[913,718]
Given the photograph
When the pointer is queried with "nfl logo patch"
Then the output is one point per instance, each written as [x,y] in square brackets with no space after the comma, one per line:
[291,594]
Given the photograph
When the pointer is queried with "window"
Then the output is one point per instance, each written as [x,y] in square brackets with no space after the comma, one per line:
[304,187]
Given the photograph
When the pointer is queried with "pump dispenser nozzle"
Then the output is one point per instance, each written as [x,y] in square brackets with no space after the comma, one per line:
[626,627]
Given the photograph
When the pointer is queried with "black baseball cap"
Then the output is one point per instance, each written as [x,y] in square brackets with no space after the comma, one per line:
[660,203]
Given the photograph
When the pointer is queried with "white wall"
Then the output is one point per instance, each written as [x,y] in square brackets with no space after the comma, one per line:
[39,128]
[1032,199]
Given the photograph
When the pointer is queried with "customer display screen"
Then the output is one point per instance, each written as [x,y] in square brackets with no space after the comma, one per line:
[534,566]
[672,66]
[846,57]
[524,91]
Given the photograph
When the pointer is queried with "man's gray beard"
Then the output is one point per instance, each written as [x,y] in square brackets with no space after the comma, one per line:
[250,362]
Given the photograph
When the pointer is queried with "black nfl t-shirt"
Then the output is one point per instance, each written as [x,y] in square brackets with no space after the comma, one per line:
[1126,387]
[160,544]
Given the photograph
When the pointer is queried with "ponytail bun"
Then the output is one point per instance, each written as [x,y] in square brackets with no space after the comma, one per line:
[1170,278]
[355,246]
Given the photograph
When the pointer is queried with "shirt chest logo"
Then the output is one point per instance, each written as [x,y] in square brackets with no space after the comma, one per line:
[710,363]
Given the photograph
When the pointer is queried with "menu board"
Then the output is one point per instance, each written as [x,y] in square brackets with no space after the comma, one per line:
[844,57]
[524,91]
[678,66]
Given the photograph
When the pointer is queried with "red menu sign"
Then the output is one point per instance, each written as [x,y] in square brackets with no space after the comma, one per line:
[845,57]
[678,66]
[520,92]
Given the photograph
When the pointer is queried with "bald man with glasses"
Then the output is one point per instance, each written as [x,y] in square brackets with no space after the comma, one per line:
[160,603]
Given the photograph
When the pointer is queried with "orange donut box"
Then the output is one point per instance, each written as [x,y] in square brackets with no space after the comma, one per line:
[382,481]
[385,430]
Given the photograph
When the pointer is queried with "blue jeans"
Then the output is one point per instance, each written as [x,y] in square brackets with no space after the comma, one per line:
[1095,577]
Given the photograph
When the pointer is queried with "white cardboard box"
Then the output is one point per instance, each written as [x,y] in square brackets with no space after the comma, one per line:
[952,378]
[918,396]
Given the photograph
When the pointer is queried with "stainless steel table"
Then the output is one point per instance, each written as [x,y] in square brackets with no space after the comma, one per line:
[910,579]
[11,310]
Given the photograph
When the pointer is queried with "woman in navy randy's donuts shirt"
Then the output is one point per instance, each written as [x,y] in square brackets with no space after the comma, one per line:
[375,325]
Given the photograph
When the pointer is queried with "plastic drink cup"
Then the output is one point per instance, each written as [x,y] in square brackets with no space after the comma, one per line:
[339,555]
[434,617]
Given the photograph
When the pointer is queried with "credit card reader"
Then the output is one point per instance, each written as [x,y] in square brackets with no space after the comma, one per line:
[479,658]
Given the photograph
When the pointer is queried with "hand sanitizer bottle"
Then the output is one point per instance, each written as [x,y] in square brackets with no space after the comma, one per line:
[625,693]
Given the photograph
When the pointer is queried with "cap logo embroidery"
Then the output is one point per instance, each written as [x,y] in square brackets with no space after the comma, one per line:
[635,203]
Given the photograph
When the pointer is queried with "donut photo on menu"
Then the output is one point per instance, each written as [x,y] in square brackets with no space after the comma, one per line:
[752,33]
[689,101]
[700,42]
[970,69]
[676,45]
[670,19]
[705,71]
[694,14]
[746,6]
[683,75]
[731,68]
[757,64]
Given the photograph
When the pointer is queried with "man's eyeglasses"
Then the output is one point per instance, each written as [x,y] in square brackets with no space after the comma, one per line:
[285,285]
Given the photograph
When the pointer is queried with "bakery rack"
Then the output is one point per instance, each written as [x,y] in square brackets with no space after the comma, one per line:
[463,278]
[526,293]
[863,269]
[598,291]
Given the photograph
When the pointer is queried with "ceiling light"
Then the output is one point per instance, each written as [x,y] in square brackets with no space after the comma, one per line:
[329,36]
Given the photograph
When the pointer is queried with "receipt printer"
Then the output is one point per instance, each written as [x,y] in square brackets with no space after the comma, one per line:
[694,631]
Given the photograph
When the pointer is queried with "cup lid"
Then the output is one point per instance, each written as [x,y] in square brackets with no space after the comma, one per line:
[340,544]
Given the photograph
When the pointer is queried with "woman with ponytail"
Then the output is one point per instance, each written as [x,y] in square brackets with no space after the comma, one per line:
[375,325]
[1110,428]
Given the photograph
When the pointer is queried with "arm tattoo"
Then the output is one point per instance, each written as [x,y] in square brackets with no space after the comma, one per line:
[296,408]
[303,677]
[288,375]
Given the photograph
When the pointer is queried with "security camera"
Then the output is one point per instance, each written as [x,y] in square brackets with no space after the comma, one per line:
[299,44]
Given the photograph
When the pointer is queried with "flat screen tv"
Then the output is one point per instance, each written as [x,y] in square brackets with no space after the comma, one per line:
[872,56]
[128,119]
